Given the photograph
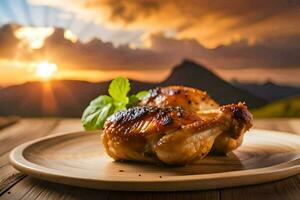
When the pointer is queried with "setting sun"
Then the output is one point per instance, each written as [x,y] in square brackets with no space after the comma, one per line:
[45,70]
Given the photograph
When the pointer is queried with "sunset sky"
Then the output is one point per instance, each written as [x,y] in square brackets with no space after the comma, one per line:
[95,40]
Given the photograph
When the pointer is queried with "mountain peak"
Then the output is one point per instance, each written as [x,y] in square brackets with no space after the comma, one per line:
[189,71]
[191,74]
[191,68]
[188,63]
[270,83]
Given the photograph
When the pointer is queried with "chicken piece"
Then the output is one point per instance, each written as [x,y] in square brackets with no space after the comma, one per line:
[171,135]
[196,101]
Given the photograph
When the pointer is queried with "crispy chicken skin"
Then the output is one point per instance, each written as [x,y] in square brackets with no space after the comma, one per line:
[196,101]
[171,135]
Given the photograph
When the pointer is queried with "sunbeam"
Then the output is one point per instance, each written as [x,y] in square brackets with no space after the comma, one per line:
[46,9]
[9,12]
[49,103]
[27,12]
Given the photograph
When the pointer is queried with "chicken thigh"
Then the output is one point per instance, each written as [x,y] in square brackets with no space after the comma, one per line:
[171,135]
[196,101]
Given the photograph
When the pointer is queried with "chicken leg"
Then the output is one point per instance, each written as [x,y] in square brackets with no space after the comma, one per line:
[171,135]
[194,100]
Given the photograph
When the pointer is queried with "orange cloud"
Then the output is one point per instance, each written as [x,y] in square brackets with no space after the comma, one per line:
[212,23]
[8,41]
[162,53]
[160,56]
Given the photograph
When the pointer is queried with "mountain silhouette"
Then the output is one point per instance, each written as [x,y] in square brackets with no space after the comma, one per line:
[191,74]
[269,90]
[68,98]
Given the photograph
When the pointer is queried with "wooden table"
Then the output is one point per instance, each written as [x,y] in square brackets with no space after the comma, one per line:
[15,185]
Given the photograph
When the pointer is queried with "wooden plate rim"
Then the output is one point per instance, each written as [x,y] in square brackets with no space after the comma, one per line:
[187,182]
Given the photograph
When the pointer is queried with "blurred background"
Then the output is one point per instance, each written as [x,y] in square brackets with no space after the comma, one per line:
[56,56]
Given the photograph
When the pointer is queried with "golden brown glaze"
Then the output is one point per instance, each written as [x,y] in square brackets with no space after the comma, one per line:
[231,140]
[146,121]
[171,135]
[196,101]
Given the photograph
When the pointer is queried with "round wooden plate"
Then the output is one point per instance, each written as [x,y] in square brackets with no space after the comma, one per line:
[79,159]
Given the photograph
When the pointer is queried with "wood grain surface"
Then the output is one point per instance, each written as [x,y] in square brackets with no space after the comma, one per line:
[15,185]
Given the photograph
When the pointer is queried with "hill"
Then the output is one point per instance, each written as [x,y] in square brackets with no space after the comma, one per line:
[67,98]
[269,91]
[289,107]
[191,74]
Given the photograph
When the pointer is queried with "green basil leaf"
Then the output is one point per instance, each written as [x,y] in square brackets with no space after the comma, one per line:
[102,107]
[142,94]
[133,100]
[119,88]
[101,101]
[119,106]
[96,113]
[104,113]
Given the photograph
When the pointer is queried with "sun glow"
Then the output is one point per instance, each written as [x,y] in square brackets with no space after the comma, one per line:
[34,37]
[45,70]
[70,36]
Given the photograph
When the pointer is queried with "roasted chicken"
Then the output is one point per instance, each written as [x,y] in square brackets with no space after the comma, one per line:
[198,101]
[171,135]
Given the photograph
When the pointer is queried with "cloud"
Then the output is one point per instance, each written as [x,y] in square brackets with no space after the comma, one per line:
[211,23]
[164,53]
[161,55]
[99,55]
[8,41]
[268,54]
